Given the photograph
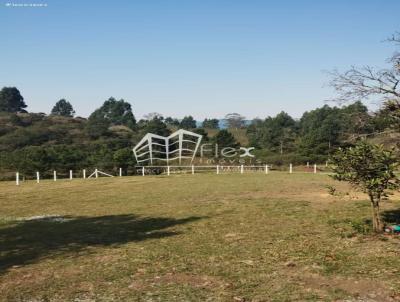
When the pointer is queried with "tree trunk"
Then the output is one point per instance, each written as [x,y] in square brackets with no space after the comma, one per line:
[376,219]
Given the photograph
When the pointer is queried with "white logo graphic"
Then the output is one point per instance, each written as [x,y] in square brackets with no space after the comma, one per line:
[181,144]
[246,152]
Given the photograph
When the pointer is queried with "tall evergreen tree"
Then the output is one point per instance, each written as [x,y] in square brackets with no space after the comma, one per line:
[188,122]
[116,113]
[63,108]
[211,123]
[225,139]
[274,133]
[11,100]
[155,126]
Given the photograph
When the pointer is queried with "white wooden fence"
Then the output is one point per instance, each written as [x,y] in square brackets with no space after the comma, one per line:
[192,169]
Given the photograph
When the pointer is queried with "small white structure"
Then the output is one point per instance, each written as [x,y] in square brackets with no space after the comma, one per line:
[97,172]
[181,144]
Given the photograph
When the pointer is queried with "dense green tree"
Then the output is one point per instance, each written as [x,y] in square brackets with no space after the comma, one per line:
[188,122]
[274,133]
[69,157]
[115,112]
[172,121]
[211,123]
[326,128]
[203,133]
[155,126]
[97,126]
[225,139]
[32,159]
[63,108]
[320,131]
[390,111]
[124,158]
[355,119]
[11,100]
[370,168]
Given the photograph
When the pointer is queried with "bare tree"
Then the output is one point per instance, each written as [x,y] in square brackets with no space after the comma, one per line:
[395,59]
[234,120]
[366,83]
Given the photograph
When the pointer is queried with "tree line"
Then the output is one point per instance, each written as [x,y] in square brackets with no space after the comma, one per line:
[32,142]
[60,141]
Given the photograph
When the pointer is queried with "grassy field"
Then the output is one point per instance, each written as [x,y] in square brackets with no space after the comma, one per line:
[250,237]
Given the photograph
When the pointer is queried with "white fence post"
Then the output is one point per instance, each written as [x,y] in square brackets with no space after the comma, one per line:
[290,168]
[266,169]
[326,164]
[241,169]
[142,171]
[120,172]
[217,169]
[315,168]
[168,171]
[192,169]
[96,173]
[55,175]
[308,164]
[84,173]
[17,178]
[70,174]
[37,177]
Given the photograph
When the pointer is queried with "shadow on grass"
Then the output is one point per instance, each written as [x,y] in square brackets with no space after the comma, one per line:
[26,241]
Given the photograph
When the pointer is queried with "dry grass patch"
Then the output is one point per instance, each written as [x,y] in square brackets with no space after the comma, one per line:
[229,237]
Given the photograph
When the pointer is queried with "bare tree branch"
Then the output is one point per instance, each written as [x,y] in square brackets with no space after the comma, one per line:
[364,83]
[395,59]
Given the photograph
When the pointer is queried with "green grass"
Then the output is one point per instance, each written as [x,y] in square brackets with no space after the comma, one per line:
[250,237]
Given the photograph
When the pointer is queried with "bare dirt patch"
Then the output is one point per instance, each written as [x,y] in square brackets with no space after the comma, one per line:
[359,289]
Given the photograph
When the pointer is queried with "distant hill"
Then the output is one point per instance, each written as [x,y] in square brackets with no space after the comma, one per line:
[223,124]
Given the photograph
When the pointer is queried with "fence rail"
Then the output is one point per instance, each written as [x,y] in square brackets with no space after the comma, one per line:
[168,170]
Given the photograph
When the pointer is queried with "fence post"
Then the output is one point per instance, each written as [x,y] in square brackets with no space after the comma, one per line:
[96,173]
[84,173]
[142,171]
[315,168]
[37,177]
[241,169]
[326,164]
[290,168]
[120,172]
[217,169]
[168,171]
[70,174]
[55,175]
[192,169]
[266,169]
[308,164]
[17,178]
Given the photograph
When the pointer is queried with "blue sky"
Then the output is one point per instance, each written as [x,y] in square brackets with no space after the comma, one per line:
[205,58]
